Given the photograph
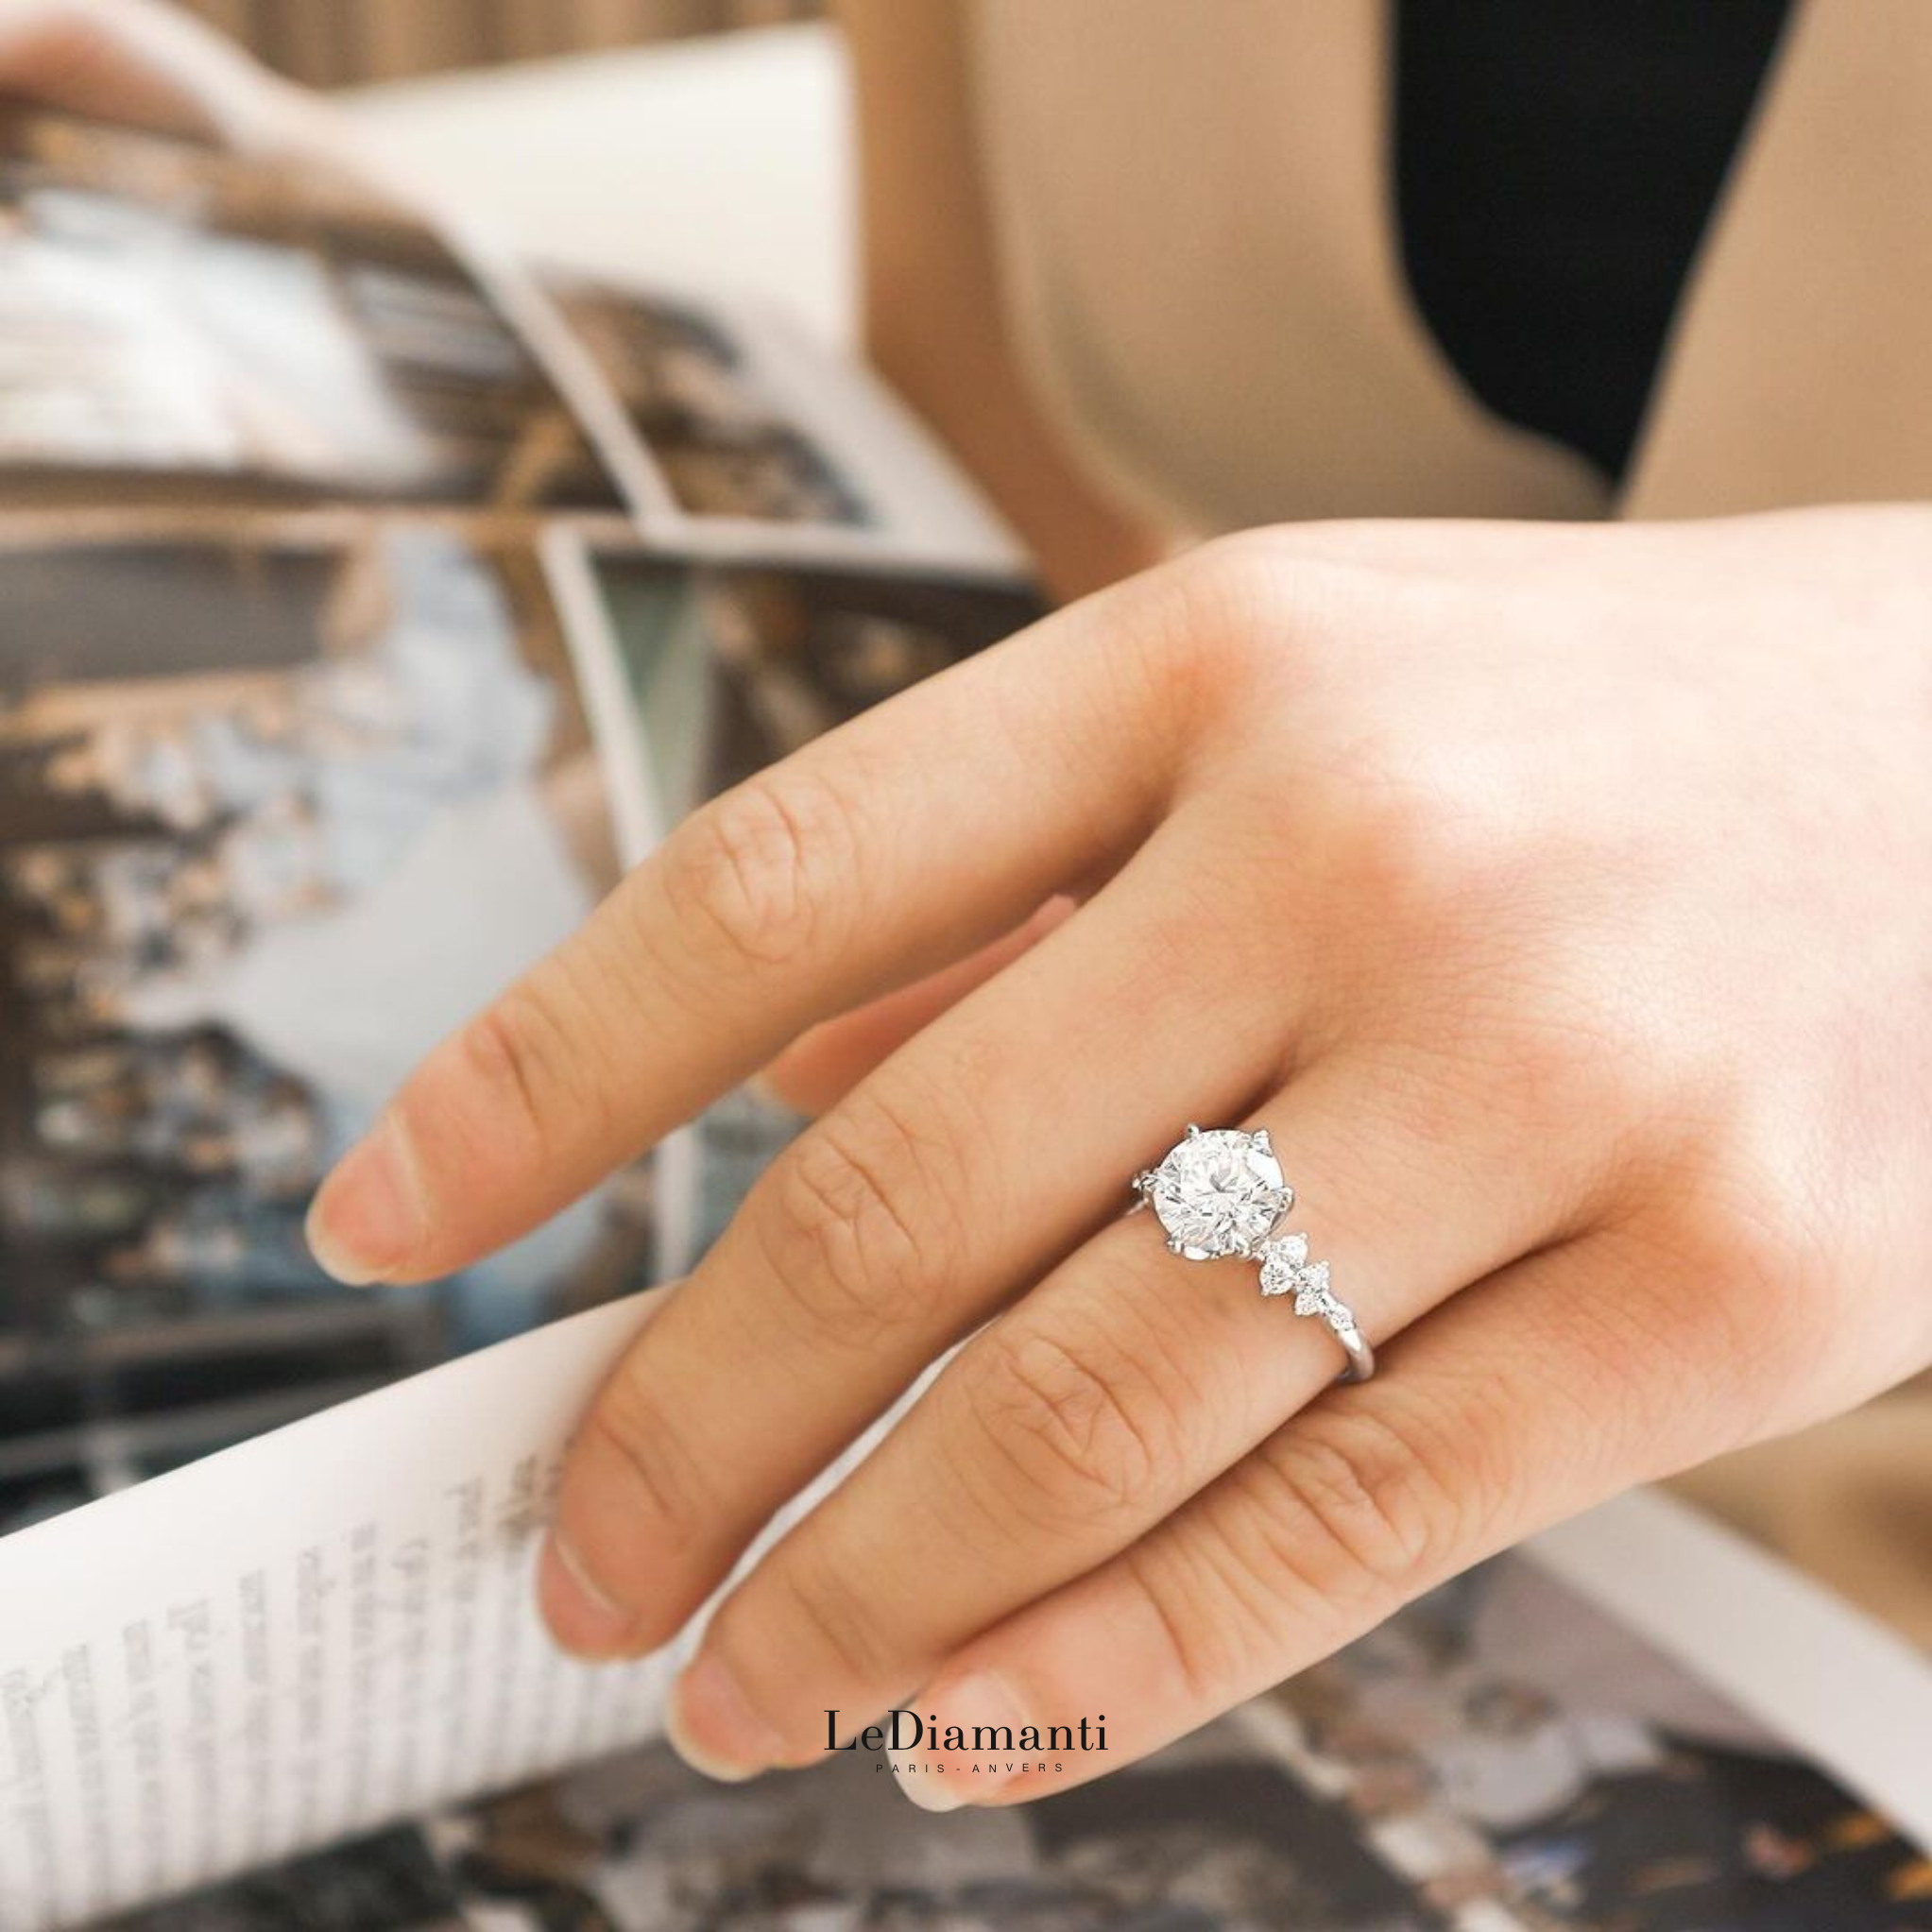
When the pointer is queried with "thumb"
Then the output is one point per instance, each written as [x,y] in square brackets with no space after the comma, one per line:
[143,64]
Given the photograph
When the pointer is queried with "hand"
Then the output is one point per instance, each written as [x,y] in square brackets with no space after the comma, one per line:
[152,66]
[1557,897]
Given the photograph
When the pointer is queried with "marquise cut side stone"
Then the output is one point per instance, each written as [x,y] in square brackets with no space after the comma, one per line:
[1282,1261]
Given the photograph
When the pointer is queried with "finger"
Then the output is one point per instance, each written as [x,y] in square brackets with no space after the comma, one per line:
[893,1225]
[1099,1404]
[137,63]
[898,843]
[819,1070]
[1546,1389]
[53,53]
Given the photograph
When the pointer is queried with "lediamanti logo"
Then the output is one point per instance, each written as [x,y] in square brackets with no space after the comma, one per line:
[907,1742]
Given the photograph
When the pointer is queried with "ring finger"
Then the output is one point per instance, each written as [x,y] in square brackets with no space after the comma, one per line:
[1351,1510]
[891,1228]
[1091,1411]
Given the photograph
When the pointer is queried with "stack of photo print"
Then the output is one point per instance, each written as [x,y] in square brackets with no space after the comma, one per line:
[366,603]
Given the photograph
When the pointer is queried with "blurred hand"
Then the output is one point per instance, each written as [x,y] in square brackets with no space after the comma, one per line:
[149,66]
[1557,897]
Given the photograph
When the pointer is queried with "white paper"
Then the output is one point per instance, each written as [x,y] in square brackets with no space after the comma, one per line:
[1847,1692]
[299,1638]
[334,1627]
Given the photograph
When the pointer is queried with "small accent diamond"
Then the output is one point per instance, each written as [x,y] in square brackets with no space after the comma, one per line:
[1312,1294]
[1287,1269]
[1281,1261]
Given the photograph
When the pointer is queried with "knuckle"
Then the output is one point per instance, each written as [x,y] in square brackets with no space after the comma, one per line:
[1213,1628]
[1421,845]
[1237,577]
[855,1222]
[1193,623]
[523,1054]
[1352,1511]
[837,1618]
[1765,1315]
[1229,600]
[757,870]
[1286,600]
[666,1484]
[1079,1431]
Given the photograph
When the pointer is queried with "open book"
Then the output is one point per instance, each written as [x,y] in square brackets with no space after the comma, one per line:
[365,604]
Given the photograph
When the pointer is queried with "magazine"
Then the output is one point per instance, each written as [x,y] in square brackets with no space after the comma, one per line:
[364,609]
[1632,1724]
[367,602]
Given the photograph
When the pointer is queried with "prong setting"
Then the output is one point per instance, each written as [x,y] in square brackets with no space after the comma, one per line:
[1220,1193]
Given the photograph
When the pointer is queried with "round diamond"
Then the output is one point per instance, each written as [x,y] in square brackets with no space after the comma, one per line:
[1220,1193]
[1282,1262]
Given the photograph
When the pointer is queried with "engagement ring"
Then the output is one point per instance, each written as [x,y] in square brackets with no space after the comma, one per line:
[1222,1193]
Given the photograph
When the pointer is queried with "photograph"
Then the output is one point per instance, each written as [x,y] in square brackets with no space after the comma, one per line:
[732,665]
[728,667]
[168,311]
[712,422]
[1505,1742]
[1209,1837]
[1503,1755]
[390,1881]
[274,812]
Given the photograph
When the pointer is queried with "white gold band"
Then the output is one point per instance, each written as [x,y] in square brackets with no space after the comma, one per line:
[1221,1193]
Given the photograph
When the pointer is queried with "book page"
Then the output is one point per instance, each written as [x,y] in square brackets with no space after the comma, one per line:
[1807,1666]
[332,1628]
[301,1638]
[174,318]
[735,435]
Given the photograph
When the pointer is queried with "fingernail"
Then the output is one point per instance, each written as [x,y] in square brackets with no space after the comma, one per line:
[711,1725]
[929,1787]
[941,1780]
[367,1220]
[583,1617]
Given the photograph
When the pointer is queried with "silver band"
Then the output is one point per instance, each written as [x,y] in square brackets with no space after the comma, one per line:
[1221,1193]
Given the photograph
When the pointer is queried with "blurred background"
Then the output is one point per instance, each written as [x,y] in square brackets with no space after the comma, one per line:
[701,144]
[350,43]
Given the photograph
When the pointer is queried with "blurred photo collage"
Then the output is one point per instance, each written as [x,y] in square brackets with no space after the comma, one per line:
[365,608]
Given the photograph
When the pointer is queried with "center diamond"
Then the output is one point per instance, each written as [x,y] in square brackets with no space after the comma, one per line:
[1220,1193]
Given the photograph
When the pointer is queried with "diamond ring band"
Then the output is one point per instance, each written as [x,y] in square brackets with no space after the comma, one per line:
[1221,1193]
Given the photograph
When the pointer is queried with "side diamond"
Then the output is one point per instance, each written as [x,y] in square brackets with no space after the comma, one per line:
[1311,1295]
[1281,1264]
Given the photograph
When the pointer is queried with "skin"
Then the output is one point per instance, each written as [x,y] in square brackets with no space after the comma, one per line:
[149,66]
[142,64]
[1556,896]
